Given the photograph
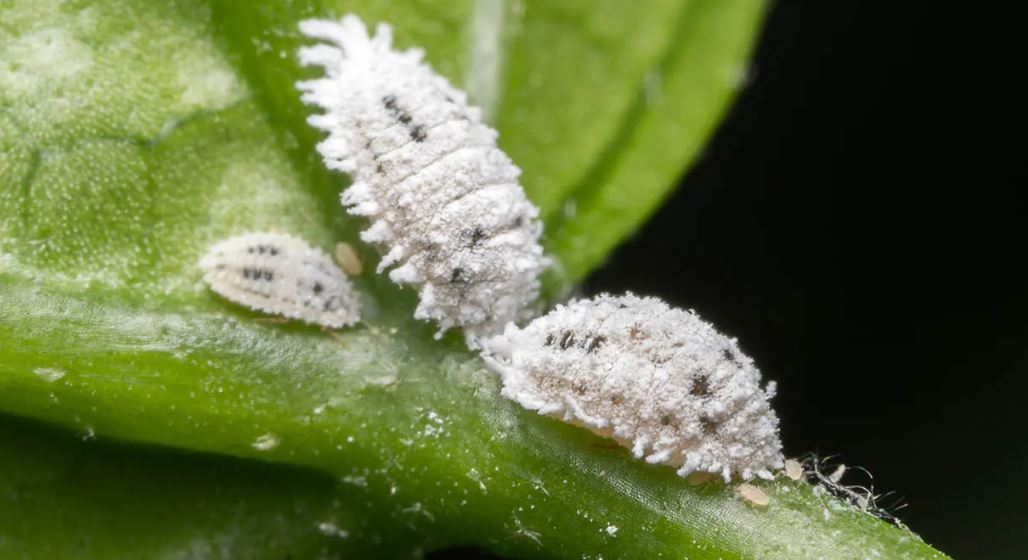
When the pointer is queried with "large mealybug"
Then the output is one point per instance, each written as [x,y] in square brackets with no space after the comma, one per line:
[659,380]
[443,200]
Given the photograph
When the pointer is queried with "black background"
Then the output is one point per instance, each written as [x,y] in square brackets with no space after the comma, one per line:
[859,223]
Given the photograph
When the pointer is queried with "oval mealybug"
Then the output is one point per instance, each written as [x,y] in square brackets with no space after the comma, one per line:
[441,197]
[793,469]
[281,274]
[659,380]
[753,496]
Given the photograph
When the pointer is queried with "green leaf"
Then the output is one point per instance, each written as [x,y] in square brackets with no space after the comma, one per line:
[66,497]
[134,134]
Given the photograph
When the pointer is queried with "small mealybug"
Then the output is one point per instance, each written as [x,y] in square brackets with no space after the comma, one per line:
[753,496]
[442,199]
[280,274]
[659,380]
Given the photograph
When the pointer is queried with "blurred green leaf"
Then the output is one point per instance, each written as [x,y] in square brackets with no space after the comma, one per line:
[63,496]
[134,134]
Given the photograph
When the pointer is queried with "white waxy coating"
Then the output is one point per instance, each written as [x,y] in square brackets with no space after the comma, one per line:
[280,274]
[659,380]
[442,198]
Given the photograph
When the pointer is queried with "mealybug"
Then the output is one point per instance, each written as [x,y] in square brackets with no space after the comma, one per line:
[281,274]
[441,197]
[793,469]
[753,495]
[659,380]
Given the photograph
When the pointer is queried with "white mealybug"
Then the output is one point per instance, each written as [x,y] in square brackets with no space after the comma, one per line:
[440,195]
[281,274]
[793,469]
[659,380]
[753,495]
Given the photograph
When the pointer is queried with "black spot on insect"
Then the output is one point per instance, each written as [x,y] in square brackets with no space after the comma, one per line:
[329,304]
[549,340]
[457,276]
[390,102]
[380,169]
[661,359]
[429,251]
[726,354]
[636,333]
[317,288]
[709,425]
[566,340]
[595,343]
[700,386]
[473,237]
[251,250]
[273,251]
[417,133]
[404,117]
[257,273]
[666,420]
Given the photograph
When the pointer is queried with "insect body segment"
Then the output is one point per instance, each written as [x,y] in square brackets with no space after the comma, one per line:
[659,380]
[281,274]
[442,199]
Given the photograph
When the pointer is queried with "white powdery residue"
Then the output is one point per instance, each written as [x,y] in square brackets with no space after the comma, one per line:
[49,374]
[612,530]
[267,190]
[441,197]
[266,442]
[37,63]
[330,529]
[653,87]
[356,480]
[206,78]
[281,274]
[658,380]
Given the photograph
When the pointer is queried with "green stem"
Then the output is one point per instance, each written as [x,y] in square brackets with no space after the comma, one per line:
[63,496]
[427,441]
